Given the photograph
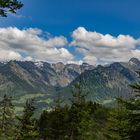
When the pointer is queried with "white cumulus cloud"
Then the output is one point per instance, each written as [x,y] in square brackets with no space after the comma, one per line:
[6,55]
[98,48]
[89,46]
[28,44]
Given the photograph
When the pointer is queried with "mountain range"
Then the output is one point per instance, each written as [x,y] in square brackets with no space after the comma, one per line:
[44,81]
[105,83]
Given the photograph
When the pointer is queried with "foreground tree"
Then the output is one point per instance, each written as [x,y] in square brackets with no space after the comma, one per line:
[7,118]
[133,105]
[53,125]
[118,125]
[26,128]
[9,6]
[83,122]
[124,121]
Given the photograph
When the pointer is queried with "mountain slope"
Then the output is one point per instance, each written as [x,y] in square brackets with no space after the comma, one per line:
[24,77]
[107,82]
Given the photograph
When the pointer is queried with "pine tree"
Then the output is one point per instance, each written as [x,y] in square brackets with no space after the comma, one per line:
[81,118]
[124,122]
[133,105]
[7,117]
[26,127]
[53,124]
[117,127]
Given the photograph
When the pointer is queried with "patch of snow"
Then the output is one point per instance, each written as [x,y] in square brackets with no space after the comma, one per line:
[39,64]
[132,63]
[4,62]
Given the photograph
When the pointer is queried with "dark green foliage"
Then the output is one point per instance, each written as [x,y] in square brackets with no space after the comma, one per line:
[9,6]
[7,117]
[53,125]
[26,128]
[79,121]
[118,124]
[124,121]
[82,122]
[133,106]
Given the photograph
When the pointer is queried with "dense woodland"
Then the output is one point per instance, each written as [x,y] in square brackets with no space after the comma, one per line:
[81,120]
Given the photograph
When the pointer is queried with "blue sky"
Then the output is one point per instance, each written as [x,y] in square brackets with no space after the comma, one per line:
[63,17]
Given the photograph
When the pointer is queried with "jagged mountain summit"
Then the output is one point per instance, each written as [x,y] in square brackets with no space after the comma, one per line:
[38,76]
[43,80]
[134,61]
